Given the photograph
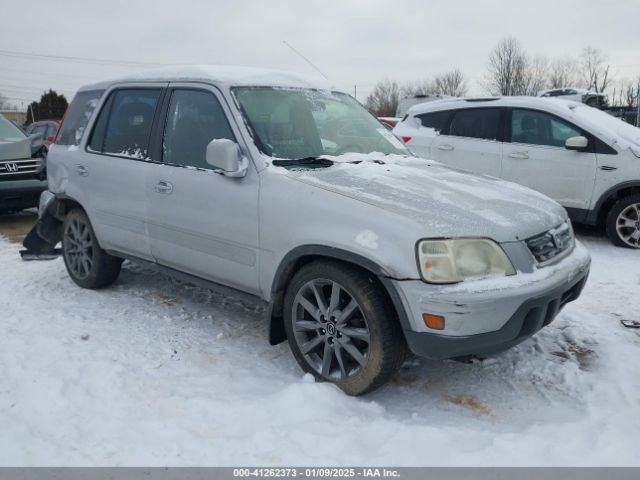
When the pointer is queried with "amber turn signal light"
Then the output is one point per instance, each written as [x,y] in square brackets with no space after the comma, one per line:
[435,322]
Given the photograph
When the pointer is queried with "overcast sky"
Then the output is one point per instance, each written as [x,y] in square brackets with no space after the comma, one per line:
[351,42]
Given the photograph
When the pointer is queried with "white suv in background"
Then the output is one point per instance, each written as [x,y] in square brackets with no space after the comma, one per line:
[583,158]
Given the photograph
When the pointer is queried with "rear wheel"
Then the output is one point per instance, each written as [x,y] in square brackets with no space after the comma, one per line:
[87,264]
[623,222]
[341,327]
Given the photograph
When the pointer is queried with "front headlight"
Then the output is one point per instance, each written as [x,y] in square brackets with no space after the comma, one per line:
[455,260]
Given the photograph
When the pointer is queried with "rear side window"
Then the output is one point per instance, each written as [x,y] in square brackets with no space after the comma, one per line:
[77,117]
[436,120]
[483,123]
[124,124]
[195,118]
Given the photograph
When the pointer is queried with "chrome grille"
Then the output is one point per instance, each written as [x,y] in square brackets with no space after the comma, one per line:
[552,245]
[13,168]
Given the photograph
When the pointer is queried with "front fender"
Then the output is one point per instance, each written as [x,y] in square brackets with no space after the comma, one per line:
[300,255]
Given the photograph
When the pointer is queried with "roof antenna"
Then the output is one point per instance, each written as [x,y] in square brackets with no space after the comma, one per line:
[305,59]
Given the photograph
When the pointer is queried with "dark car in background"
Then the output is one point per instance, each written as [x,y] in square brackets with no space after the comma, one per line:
[22,173]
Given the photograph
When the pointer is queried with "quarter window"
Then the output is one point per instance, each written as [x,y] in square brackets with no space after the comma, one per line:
[540,128]
[77,116]
[193,120]
[435,120]
[124,124]
[481,123]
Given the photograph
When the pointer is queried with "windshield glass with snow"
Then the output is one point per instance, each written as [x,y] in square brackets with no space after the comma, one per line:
[303,123]
[9,132]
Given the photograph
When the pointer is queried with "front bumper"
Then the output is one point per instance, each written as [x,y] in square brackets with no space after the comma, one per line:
[490,316]
[20,194]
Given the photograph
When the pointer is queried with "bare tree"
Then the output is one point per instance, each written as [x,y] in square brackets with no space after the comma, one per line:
[507,67]
[631,94]
[4,102]
[383,100]
[536,75]
[594,69]
[451,83]
[564,72]
[421,87]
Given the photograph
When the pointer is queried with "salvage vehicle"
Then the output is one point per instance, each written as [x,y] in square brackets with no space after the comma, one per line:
[22,171]
[45,129]
[220,175]
[588,97]
[585,159]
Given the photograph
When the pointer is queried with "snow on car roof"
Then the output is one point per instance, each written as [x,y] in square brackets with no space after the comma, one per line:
[577,90]
[223,75]
[548,104]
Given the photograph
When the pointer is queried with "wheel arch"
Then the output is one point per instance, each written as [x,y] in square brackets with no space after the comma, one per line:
[303,255]
[47,231]
[598,215]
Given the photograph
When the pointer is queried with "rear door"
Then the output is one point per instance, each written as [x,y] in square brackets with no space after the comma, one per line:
[201,222]
[535,156]
[114,167]
[472,141]
[429,125]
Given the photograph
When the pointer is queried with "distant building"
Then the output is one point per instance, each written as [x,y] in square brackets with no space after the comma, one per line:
[14,116]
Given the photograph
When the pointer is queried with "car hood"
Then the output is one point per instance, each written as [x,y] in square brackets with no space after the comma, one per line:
[15,150]
[446,201]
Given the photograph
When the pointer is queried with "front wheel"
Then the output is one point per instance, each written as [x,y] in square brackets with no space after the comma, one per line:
[623,222]
[341,327]
[88,265]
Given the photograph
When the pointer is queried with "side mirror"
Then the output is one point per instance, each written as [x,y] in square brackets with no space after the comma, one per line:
[225,156]
[576,143]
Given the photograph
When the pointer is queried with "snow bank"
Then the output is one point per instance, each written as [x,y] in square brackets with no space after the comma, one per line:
[152,371]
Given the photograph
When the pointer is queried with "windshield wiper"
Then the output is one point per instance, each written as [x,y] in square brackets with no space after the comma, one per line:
[310,162]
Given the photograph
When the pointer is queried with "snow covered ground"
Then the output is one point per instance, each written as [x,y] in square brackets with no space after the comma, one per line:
[156,372]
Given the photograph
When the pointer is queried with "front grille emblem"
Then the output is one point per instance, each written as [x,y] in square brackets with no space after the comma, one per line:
[11,167]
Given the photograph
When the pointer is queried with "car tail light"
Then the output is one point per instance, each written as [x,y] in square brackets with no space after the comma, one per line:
[406,139]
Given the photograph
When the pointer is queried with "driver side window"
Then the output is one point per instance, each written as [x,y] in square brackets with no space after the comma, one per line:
[194,118]
[538,128]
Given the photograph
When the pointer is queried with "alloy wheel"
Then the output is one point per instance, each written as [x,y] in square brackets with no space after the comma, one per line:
[628,225]
[330,329]
[78,248]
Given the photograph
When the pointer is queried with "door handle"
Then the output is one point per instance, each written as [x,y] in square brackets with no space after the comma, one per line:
[82,170]
[520,155]
[164,187]
[445,146]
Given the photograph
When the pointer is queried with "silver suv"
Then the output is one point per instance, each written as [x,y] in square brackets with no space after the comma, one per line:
[272,184]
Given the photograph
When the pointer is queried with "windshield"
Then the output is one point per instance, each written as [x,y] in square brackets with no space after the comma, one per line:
[9,132]
[302,123]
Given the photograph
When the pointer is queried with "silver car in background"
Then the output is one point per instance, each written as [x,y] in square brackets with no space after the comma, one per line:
[275,185]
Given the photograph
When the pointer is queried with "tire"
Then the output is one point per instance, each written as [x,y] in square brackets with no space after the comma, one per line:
[353,326]
[623,222]
[87,264]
